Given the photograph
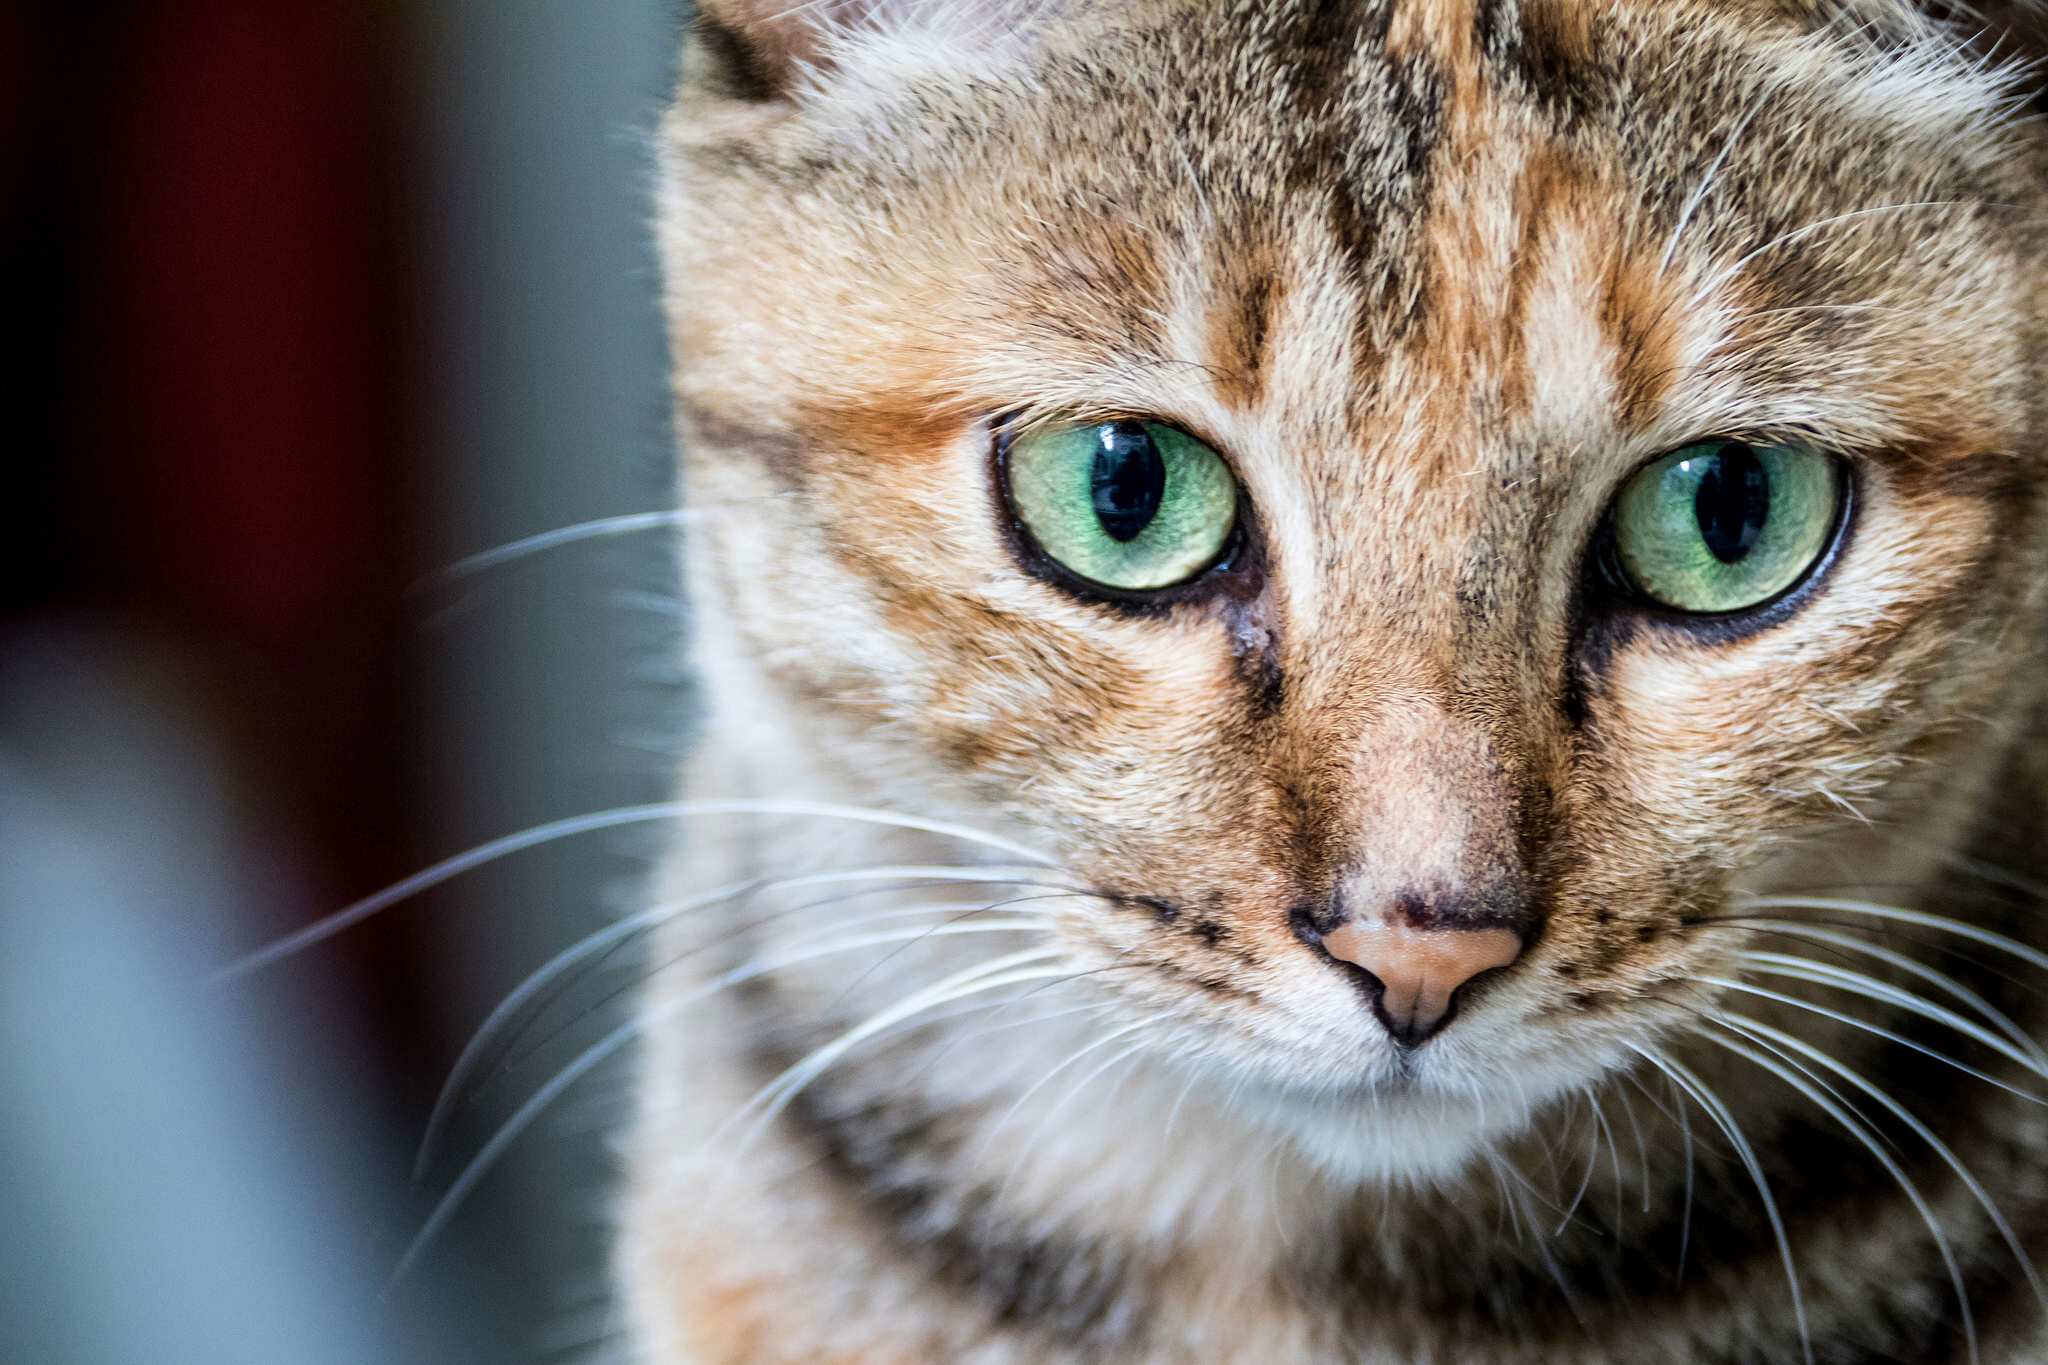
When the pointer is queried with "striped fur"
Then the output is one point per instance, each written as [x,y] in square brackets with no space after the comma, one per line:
[1436,276]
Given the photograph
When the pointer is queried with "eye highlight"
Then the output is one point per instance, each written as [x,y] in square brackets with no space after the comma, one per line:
[1724,525]
[1130,505]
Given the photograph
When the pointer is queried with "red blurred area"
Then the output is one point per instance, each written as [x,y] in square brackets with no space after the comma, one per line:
[205,368]
[247,368]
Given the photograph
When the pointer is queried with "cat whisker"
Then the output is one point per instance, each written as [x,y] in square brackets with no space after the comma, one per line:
[1172,138]
[1779,997]
[1586,1180]
[956,911]
[997,1127]
[450,868]
[961,911]
[935,1057]
[1685,1222]
[1918,918]
[1798,968]
[1762,1031]
[475,1055]
[1939,980]
[1678,1115]
[610,1044]
[1046,1119]
[1820,1095]
[470,565]
[1508,1208]
[772,1098]
[1553,1202]
[1269,1158]
[1606,1131]
[1718,1111]
[1173,1114]
[1905,935]
[1721,1017]
[1997,876]
[1550,1140]
[1565,1287]
[1099,1007]
[1642,1148]
[1830,308]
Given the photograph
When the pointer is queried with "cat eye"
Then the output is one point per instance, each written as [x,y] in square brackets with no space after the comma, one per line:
[1725,525]
[1129,505]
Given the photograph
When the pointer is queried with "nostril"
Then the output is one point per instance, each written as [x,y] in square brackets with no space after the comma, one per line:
[1419,970]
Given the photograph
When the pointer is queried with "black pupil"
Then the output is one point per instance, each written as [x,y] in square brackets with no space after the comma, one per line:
[1127,480]
[1733,502]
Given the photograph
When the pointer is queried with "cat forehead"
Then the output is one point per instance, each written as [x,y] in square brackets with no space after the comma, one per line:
[1222,126]
[1414,63]
[1327,210]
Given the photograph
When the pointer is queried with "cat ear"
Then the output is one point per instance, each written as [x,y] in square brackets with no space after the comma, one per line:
[760,49]
[755,47]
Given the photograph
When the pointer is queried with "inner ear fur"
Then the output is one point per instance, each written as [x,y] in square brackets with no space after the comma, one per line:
[759,49]
[752,49]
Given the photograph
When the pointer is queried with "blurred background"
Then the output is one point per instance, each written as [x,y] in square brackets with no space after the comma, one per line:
[305,301]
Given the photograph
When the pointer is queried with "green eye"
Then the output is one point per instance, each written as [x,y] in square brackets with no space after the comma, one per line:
[1130,505]
[1725,525]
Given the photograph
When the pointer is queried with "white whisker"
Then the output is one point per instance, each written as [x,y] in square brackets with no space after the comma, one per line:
[1819,1094]
[1706,184]
[564,535]
[1996,875]
[1543,1249]
[1045,1120]
[1642,1147]
[480,1042]
[1856,983]
[598,1052]
[1039,1084]
[1173,1114]
[1764,1031]
[1919,970]
[773,1097]
[1866,1026]
[1613,1159]
[1920,919]
[1723,1119]
[1677,1114]
[1510,1208]
[1586,1181]
[450,868]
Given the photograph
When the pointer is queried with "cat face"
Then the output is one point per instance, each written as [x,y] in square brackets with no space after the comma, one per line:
[1590,497]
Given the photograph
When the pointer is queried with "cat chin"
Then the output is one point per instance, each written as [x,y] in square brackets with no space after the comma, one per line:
[1406,1134]
[1415,1141]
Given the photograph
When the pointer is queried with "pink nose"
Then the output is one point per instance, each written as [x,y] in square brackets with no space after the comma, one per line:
[1419,969]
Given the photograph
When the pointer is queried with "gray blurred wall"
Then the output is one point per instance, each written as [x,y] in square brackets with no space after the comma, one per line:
[555,685]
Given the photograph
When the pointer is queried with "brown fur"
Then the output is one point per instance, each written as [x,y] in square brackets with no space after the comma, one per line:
[1435,276]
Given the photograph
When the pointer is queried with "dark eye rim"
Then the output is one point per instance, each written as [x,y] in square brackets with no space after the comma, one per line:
[1617,593]
[1237,571]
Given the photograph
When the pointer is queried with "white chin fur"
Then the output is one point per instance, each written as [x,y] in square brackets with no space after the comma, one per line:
[1418,1135]
[1409,1140]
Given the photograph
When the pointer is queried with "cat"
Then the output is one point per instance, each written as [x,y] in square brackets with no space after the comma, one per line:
[1373,686]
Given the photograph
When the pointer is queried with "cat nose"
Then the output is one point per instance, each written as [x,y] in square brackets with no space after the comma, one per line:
[1419,970]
